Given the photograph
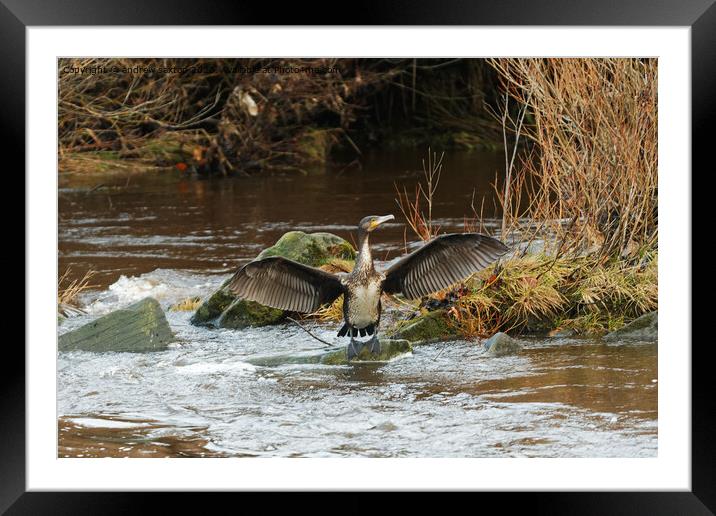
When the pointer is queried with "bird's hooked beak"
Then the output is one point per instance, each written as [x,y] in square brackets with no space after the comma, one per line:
[379,220]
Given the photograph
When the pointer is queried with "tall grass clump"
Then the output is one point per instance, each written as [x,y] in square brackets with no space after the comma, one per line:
[590,169]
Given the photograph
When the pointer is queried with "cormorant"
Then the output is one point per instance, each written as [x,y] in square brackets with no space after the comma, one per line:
[288,285]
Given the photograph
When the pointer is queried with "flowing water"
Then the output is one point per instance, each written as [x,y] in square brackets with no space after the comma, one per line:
[172,237]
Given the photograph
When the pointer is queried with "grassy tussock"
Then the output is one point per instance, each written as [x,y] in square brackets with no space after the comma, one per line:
[539,293]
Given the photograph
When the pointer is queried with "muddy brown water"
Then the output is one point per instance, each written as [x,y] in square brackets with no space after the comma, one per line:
[173,237]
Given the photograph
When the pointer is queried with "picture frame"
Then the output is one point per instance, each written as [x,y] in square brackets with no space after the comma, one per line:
[700,16]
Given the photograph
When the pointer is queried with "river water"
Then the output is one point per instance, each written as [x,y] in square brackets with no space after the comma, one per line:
[173,237]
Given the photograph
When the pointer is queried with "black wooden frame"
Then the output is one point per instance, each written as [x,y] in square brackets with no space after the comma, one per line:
[700,15]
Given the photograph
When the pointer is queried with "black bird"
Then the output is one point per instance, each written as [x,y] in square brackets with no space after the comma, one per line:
[288,285]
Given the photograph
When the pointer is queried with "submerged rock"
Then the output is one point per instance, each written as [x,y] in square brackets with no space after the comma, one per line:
[425,329]
[389,349]
[644,329]
[139,327]
[223,309]
[501,344]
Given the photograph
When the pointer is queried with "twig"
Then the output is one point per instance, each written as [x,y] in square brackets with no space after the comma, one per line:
[444,347]
[309,332]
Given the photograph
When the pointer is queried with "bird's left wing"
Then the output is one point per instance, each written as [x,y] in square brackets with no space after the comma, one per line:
[440,263]
[285,284]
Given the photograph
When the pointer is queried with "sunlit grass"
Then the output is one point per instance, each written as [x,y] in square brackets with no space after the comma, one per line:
[186,305]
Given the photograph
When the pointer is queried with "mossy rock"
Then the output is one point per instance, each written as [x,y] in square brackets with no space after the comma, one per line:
[222,309]
[314,249]
[642,329]
[501,344]
[389,350]
[427,328]
[213,307]
[137,328]
[242,313]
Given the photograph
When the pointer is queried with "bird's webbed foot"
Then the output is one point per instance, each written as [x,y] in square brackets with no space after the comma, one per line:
[354,348]
[374,345]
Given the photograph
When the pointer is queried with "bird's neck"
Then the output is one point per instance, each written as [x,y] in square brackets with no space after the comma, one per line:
[364,260]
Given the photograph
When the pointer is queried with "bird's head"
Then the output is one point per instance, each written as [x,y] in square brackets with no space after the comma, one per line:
[373,221]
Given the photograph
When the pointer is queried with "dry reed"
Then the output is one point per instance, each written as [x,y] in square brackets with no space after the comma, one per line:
[591,173]
[68,291]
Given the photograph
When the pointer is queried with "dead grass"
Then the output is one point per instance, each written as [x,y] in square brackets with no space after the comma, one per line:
[68,291]
[330,313]
[336,265]
[189,304]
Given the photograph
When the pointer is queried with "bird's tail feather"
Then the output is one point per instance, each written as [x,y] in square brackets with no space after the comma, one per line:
[343,331]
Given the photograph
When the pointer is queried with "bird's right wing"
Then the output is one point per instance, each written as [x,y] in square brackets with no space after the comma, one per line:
[281,283]
[440,263]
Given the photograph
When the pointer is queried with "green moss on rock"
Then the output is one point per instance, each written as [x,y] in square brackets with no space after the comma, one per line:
[643,329]
[314,249]
[425,329]
[137,328]
[242,313]
[222,309]
[214,306]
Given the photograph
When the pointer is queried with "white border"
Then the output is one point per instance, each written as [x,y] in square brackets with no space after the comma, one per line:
[671,470]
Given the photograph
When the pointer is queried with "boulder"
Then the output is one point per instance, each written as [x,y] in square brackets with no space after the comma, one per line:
[139,327]
[426,328]
[501,344]
[222,309]
[314,249]
[643,329]
[389,350]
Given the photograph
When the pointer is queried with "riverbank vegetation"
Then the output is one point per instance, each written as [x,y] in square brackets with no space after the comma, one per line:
[579,203]
[247,116]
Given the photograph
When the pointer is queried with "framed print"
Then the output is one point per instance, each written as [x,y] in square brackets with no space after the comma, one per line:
[434,250]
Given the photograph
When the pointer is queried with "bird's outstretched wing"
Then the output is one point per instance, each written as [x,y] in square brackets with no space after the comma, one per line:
[285,284]
[441,262]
